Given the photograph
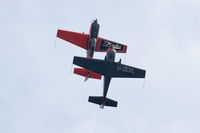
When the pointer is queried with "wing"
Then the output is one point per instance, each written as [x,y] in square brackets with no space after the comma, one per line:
[112,69]
[94,65]
[79,39]
[103,44]
[125,71]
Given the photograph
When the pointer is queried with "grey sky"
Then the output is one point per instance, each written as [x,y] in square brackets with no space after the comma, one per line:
[39,93]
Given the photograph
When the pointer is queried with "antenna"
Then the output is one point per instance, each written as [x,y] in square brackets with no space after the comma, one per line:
[55,41]
[71,69]
[144,84]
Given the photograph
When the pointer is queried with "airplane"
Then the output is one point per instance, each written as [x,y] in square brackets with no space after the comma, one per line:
[110,69]
[90,42]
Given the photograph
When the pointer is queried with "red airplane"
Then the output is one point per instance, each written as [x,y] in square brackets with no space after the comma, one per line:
[90,42]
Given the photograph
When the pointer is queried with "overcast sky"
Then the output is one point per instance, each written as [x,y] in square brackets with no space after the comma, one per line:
[40,94]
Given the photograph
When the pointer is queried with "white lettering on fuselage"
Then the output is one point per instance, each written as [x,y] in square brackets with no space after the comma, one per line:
[125,69]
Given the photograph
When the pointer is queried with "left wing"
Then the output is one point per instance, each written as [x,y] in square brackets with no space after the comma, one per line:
[104,44]
[94,65]
[79,39]
[112,69]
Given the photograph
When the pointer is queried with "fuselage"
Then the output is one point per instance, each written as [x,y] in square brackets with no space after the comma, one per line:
[110,57]
[94,31]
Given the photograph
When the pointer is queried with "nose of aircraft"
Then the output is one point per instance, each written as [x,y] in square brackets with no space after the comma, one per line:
[111,49]
[95,21]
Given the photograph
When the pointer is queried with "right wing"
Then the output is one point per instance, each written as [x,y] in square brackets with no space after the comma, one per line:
[79,39]
[125,71]
[104,44]
[112,69]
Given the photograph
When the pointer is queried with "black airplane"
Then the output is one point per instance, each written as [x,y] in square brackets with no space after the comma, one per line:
[110,69]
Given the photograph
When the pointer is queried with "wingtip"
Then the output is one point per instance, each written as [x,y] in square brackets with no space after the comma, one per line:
[74,59]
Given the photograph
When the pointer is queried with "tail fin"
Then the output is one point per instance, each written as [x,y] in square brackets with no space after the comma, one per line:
[102,101]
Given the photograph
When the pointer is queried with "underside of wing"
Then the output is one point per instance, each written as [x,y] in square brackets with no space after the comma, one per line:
[125,71]
[79,39]
[94,65]
[104,44]
[111,69]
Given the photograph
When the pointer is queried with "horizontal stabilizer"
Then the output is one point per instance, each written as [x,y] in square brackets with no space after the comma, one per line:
[102,101]
[79,39]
